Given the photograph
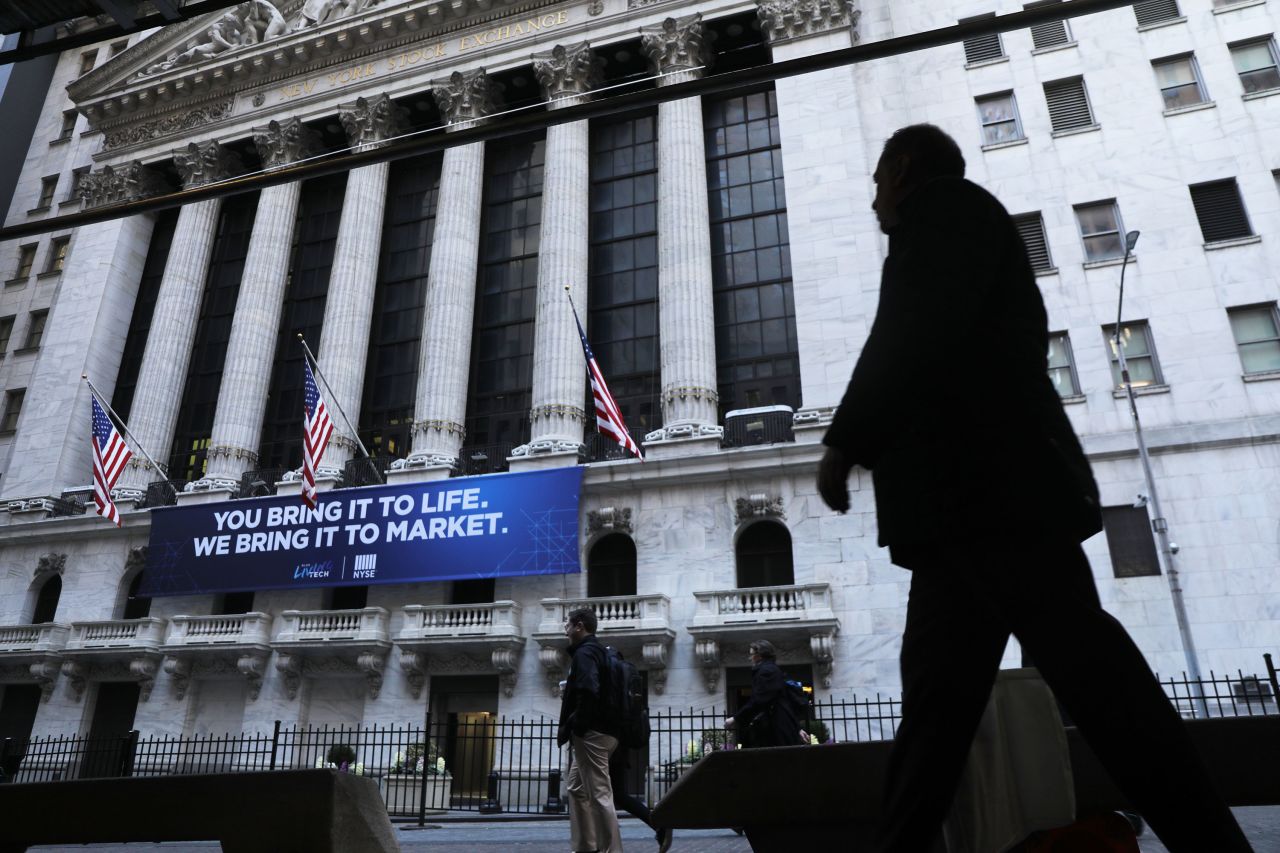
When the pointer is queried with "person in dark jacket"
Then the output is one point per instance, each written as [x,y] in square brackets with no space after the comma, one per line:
[768,718]
[983,491]
[587,725]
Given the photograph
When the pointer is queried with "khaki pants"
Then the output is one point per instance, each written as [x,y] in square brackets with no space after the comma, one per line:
[593,823]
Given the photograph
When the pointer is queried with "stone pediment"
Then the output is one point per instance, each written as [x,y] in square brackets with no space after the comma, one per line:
[264,53]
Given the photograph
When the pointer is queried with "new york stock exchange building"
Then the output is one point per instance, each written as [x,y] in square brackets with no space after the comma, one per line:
[724,259]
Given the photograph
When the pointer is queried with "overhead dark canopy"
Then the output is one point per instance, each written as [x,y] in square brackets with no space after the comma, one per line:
[45,26]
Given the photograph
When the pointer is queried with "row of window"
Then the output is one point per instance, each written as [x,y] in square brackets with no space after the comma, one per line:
[1256,329]
[55,258]
[1178,78]
[1219,209]
[49,188]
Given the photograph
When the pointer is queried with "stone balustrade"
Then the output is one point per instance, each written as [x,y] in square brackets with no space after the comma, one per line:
[489,634]
[27,639]
[367,624]
[764,604]
[637,625]
[144,633]
[236,628]
[425,622]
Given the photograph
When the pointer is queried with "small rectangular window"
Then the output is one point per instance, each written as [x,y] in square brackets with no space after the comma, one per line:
[1031,230]
[6,332]
[982,48]
[1100,230]
[998,115]
[35,329]
[1050,33]
[1130,541]
[1255,62]
[1139,354]
[1220,211]
[48,186]
[119,47]
[1179,82]
[68,124]
[1154,11]
[1256,329]
[77,177]
[12,408]
[26,260]
[87,61]
[57,254]
[1062,368]
[1068,104]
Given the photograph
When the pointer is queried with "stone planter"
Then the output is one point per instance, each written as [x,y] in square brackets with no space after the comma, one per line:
[402,790]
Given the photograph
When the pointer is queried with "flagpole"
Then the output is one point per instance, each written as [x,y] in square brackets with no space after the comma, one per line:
[334,399]
[124,427]
[635,446]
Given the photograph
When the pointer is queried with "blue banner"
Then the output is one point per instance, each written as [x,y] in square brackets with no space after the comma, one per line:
[500,525]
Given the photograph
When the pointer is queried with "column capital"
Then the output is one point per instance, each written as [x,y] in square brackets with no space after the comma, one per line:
[126,182]
[465,96]
[203,163]
[566,71]
[791,19]
[371,120]
[282,142]
[675,45]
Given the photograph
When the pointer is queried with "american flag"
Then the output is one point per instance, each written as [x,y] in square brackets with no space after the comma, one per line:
[608,417]
[110,455]
[316,428]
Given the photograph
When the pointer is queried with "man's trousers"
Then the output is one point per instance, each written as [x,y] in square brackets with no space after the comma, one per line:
[593,823]
[963,606]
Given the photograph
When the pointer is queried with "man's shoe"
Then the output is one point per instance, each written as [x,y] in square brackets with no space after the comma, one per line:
[664,839]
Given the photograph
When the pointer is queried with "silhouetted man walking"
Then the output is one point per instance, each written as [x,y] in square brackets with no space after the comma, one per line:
[984,493]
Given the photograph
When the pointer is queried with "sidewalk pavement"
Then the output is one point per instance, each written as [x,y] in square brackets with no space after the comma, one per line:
[1261,825]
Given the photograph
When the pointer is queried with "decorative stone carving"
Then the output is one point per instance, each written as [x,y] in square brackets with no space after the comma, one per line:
[372,664]
[144,670]
[317,12]
[187,119]
[505,660]
[367,121]
[179,672]
[114,184]
[205,163]
[465,97]
[789,19]
[137,559]
[51,564]
[556,662]
[655,659]
[758,506]
[253,666]
[45,673]
[609,519]
[568,70]
[707,652]
[77,675]
[290,667]
[675,45]
[823,648]
[247,24]
[282,143]
[414,666]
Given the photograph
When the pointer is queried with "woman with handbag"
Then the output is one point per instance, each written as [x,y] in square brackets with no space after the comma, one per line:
[767,719]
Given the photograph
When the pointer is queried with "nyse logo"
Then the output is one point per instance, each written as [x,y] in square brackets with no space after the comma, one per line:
[366,566]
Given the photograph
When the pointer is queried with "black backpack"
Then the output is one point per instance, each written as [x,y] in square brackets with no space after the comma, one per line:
[628,705]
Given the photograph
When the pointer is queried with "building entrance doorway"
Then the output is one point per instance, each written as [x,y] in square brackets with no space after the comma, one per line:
[464,710]
[17,717]
[113,713]
[738,684]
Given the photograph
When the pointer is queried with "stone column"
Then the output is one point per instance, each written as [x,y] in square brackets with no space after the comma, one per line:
[566,74]
[836,246]
[348,310]
[242,396]
[445,351]
[686,317]
[163,375]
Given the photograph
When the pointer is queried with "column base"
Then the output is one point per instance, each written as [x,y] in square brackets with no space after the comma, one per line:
[683,440]
[419,474]
[326,481]
[206,495]
[810,424]
[545,459]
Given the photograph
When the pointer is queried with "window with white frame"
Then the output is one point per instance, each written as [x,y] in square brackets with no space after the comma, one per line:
[1257,332]
[998,115]
[982,48]
[1220,211]
[1031,229]
[1100,229]
[1151,12]
[1050,33]
[1062,368]
[1068,105]
[1139,354]
[1256,64]
[1179,80]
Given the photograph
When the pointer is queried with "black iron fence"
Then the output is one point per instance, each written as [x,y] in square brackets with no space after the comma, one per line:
[491,764]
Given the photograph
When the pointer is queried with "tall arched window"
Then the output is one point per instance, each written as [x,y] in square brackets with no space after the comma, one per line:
[764,555]
[611,566]
[135,606]
[47,601]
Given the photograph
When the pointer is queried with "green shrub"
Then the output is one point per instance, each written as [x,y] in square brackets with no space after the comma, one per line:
[818,729]
[339,754]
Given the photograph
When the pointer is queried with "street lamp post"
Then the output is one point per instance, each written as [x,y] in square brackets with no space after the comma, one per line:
[1159,523]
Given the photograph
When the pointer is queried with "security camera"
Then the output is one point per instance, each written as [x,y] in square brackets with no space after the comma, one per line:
[1173,548]
[1139,501]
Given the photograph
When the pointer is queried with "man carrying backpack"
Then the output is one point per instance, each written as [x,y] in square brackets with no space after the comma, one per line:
[589,724]
[768,718]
